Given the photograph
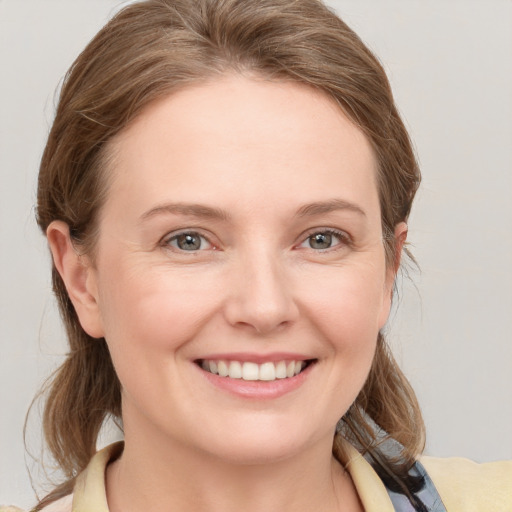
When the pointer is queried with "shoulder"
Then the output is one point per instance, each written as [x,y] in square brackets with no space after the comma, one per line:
[471,487]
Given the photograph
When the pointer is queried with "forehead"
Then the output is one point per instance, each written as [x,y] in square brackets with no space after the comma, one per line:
[238,137]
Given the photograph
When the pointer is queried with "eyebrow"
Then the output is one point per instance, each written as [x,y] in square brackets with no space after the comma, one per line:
[208,212]
[322,207]
[192,210]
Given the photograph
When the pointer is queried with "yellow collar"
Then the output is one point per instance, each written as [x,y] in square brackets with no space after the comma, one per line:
[89,493]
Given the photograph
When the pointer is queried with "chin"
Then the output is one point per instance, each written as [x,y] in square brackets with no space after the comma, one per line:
[261,445]
[256,454]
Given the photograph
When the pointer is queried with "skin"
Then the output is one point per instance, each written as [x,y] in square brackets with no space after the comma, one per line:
[277,163]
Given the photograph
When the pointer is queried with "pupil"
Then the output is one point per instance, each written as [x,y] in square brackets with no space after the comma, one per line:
[189,242]
[321,241]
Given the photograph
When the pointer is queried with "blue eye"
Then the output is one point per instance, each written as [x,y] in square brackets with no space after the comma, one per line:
[322,240]
[189,241]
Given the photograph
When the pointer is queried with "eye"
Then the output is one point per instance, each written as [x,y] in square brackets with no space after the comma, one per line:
[188,241]
[325,239]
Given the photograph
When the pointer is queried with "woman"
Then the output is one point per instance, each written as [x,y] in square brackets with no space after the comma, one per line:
[225,192]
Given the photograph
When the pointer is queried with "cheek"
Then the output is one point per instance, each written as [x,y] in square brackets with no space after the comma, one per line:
[149,319]
[153,309]
[347,312]
[347,303]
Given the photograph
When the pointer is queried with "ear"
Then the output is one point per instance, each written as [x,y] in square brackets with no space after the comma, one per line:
[400,236]
[401,230]
[79,277]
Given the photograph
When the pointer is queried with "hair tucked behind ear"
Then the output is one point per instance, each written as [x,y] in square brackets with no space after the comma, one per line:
[149,50]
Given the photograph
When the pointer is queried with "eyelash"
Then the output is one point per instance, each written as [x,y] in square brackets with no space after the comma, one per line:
[167,241]
[342,237]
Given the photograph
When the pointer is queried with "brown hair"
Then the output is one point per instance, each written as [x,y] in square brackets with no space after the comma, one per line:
[148,50]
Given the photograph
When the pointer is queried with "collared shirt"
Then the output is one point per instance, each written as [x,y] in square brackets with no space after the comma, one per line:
[460,485]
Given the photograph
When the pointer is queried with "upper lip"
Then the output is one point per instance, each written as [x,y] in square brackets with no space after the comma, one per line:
[244,357]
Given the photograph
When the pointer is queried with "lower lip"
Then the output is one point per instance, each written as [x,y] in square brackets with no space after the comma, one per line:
[258,389]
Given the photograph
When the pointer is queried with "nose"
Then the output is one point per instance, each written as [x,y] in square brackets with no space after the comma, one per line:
[261,295]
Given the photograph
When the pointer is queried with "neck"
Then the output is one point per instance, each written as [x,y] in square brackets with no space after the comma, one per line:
[163,476]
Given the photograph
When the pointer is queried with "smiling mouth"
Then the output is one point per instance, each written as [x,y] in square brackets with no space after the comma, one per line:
[250,371]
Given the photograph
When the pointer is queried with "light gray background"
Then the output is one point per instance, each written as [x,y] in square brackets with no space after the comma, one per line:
[450,63]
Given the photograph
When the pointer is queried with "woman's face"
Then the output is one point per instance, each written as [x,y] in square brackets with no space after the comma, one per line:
[241,235]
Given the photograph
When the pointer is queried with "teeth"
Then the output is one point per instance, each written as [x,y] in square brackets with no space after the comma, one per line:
[267,371]
[235,370]
[281,370]
[222,368]
[252,371]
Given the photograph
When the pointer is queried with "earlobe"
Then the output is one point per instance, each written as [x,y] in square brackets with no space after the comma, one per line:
[79,277]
